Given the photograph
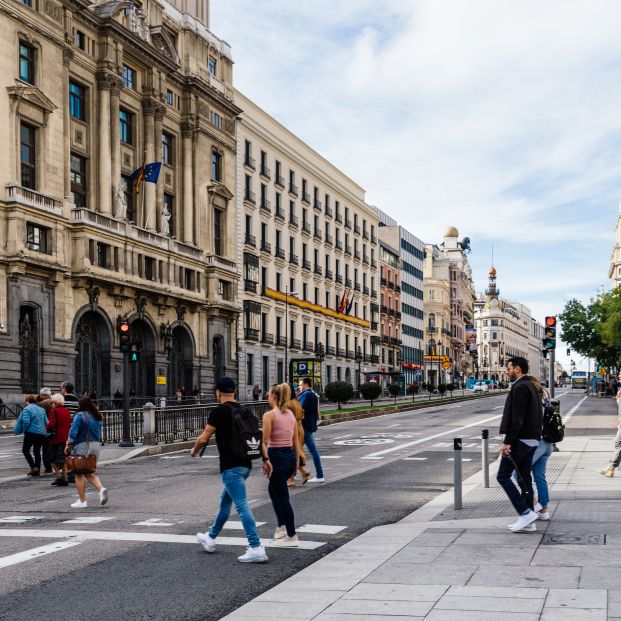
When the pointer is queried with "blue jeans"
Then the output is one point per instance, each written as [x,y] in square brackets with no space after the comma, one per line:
[521,459]
[234,491]
[540,461]
[310,443]
[284,462]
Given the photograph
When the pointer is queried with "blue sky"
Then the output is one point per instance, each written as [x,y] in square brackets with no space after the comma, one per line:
[500,118]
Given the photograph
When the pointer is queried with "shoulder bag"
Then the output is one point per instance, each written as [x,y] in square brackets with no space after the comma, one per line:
[82,464]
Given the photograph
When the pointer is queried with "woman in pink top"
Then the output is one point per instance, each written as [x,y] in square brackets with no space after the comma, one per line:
[282,444]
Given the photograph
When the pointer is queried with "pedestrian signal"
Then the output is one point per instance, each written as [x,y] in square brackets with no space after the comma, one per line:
[134,356]
[125,334]
[549,340]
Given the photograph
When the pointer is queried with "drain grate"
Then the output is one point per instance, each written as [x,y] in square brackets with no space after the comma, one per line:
[574,539]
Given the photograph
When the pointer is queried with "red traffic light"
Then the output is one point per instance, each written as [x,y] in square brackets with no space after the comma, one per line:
[124,326]
[551,322]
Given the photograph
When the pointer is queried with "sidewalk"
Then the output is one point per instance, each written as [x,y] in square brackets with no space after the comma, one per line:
[445,565]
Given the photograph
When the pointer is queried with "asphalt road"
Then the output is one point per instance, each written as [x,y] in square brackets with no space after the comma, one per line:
[137,558]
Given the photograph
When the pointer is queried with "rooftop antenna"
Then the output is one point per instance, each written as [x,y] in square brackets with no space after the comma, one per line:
[492,255]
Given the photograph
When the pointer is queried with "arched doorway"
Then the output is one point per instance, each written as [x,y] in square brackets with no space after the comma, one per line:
[219,368]
[92,360]
[180,367]
[142,372]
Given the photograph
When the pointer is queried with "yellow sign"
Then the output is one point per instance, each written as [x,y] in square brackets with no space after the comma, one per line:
[438,359]
[160,380]
[446,365]
[602,372]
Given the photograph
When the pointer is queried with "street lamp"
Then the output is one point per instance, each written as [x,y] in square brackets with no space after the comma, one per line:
[287,294]
[358,359]
[320,354]
[432,349]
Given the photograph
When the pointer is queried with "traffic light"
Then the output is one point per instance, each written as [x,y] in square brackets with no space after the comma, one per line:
[568,351]
[134,356]
[549,340]
[123,328]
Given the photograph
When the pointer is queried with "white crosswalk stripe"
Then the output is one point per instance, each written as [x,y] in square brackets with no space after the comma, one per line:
[20,557]
[18,519]
[92,519]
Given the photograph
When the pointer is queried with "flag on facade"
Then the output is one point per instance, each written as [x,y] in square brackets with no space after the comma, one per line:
[147,173]
[349,306]
[344,302]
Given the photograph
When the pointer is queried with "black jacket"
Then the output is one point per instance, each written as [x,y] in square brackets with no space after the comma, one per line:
[522,418]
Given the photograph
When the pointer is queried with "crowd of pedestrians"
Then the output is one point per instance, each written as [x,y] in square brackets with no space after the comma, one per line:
[56,427]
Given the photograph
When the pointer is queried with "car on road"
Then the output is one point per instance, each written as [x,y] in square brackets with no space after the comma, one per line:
[480,387]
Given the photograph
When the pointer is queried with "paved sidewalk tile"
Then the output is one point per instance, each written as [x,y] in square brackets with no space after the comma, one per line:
[573,614]
[408,592]
[467,615]
[380,607]
[498,592]
[433,538]
[476,554]
[576,598]
[577,556]
[285,593]
[501,540]
[600,578]
[409,573]
[330,616]
[490,604]
[276,610]
[417,554]
[533,576]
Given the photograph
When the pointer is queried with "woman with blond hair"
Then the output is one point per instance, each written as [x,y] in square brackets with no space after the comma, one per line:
[298,411]
[282,444]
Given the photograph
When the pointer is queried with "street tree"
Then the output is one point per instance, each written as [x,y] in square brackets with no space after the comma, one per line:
[340,392]
[370,391]
[394,389]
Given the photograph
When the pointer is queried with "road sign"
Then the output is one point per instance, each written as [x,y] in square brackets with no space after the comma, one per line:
[160,380]
[446,365]
[602,372]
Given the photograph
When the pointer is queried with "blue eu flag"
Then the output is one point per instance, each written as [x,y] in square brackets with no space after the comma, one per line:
[152,172]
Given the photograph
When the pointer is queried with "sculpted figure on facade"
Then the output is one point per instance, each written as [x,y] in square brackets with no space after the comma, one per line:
[121,204]
[165,221]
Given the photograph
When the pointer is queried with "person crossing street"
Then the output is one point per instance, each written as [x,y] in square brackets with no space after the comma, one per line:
[310,405]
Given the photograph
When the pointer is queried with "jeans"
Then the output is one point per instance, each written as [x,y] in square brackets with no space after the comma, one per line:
[33,441]
[310,442]
[47,454]
[540,461]
[234,491]
[284,462]
[522,455]
[616,456]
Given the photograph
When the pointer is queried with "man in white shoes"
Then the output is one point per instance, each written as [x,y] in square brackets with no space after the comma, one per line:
[233,470]
[310,404]
[521,423]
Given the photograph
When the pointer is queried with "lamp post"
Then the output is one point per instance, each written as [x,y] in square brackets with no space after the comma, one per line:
[287,294]
[320,355]
[358,359]
[432,349]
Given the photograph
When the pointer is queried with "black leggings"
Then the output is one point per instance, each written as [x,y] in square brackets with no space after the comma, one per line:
[283,464]
[33,441]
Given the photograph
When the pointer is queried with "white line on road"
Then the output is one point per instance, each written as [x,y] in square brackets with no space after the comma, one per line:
[95,519]
[18,519]
[331,456]
[573,410]
[392,449]
[109,535]
[498,407]
[235,525]
[320,529]
[27,555]
[371,457]
[153,522]
[463,459]
[415,458]
[395,425]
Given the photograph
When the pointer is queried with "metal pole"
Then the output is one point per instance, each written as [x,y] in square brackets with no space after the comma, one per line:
[286,334]
[552,352]
[127,440]
[457,500]
[485,456]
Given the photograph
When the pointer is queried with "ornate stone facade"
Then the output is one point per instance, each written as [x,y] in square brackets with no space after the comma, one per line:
[89,93]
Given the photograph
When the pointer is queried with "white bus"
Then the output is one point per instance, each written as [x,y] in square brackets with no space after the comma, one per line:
[579,379]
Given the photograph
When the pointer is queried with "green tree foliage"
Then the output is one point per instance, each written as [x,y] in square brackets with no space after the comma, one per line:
[394,390]
[370,391]
[594,330]
[340,392]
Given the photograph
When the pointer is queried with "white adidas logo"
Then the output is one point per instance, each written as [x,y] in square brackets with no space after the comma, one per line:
[253,443]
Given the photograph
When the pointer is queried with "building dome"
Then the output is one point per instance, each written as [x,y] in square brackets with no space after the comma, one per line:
[451,232]
[492,272]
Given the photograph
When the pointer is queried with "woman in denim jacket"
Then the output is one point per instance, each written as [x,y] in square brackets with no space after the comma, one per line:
[31,423]
[86,425]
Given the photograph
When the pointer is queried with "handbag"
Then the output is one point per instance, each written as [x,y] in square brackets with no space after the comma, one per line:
[82,464]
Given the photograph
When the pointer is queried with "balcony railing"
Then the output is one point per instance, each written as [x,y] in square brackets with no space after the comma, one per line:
[340,352]
[266,337]
[357,254]
[266,205]
[306,264]
[373,239]
[357,229]
[266,246]
[317,234]
[293,189]
[250,197]
[279,181]
[374,359]
[279,214]
[431,329]
[384,310]
[306,197]
[348,250]
[249,161]
[328,211]
[293,220]
[281,341]
[383,281]
[365,234]
[339,279]
[374,325]
[398,314]
[250,285]
[357,286]
[308,346]
[266,172]
[328,240]
[317,269]
[250,240]
[295,344]
[397,288]
[329,275]
[25,196]
[338,217]
[374,295]
[251,334]
[306,227]
[365,259]
[317,204]
[93,217]
[348,282]
[330,350]
[350,354]
[365,290]
[339,244]
[373,263]
[280,253]
[348,224]
[293,258]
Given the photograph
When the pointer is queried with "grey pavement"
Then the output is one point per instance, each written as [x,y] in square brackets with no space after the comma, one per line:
[441,564]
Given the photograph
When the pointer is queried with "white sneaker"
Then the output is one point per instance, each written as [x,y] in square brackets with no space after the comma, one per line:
[544,516]
[286,542]
[103,496]
[537,507]
[528,529]
[78,504]
[253,555]
[316,480]
[522,521]
[208,544]
[280,532]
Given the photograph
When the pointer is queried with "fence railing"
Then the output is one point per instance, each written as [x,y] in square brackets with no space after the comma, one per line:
[112,426]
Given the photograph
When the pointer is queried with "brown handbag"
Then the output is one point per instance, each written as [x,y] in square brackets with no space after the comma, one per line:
[82,464]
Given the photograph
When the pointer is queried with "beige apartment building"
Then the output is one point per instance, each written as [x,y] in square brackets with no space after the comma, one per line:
[614,271]
[90,92]
[305,238]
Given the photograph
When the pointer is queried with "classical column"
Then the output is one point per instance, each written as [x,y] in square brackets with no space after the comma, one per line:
[104,81]
[187,132]
[67,57]
[115,139]
[159,188]
[148,109]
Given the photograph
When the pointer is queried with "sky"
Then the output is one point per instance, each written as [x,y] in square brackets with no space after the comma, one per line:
[501,118]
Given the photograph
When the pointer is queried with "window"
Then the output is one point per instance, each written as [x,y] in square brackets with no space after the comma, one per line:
[28,156]
[77,100]
[212,64]
[149,268]
[169,205]
[128,77]
[215,119]
[80,39]
[128,189]
[217,231]
[251,272]
[224,289]
[38,238]
[216,166]
[103,255]
[126,126]
[249,357]
[278,281]
[78,180]
[26,62]
[167,148]
[170,97]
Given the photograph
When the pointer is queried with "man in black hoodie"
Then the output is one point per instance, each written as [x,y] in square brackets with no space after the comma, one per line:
[522,420]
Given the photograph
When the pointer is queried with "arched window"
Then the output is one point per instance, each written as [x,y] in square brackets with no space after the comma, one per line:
[29,346]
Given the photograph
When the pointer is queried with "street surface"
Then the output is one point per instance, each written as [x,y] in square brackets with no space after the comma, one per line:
[137,557]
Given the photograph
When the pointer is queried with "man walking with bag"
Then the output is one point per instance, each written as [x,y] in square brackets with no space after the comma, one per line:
[521,424]
[234,470]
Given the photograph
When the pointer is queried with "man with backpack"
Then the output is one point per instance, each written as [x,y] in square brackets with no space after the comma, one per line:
[238,440]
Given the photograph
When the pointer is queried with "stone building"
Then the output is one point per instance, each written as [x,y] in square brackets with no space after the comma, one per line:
[411,256]
[614,271]
[539,365]
[91,91]
[305,239]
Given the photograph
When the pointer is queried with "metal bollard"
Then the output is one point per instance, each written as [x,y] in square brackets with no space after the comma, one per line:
[457,502]
[485,456]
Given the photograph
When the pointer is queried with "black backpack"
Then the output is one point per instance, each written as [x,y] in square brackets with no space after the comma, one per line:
[553,428]
[246,436]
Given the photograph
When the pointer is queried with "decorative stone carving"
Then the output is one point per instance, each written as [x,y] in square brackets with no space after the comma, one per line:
[141,304]
[68,55]
[105,80]
[181,311]
[187,129]
[165,221]
[121,204]
[138,23]
[150,106]
[160,112]
[93,295]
